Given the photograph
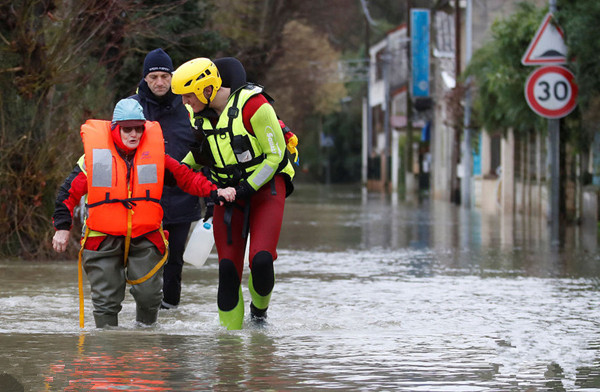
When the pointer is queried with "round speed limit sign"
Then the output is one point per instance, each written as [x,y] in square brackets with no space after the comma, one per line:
[551,91]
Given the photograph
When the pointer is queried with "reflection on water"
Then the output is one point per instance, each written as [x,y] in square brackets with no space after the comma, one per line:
[103,365]
[371,294]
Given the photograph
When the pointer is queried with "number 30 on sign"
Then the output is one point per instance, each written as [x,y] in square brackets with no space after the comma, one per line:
[551,91]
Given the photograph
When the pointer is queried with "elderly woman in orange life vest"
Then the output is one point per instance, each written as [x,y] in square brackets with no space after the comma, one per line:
[122,172]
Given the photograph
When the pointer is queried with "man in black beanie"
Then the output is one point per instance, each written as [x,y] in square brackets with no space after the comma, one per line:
[180,209]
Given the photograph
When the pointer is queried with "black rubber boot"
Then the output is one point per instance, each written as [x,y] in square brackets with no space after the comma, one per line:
[146,316]
[106,320]
[258,316]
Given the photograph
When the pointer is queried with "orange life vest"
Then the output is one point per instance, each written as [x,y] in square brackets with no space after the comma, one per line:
[115,206]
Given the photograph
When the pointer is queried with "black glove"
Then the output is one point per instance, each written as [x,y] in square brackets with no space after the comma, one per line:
[210,207]
[213,198]
[243,191]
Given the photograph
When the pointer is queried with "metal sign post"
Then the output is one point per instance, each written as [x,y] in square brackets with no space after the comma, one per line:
[551,93]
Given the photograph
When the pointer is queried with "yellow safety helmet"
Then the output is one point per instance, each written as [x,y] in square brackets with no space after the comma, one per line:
[193,76]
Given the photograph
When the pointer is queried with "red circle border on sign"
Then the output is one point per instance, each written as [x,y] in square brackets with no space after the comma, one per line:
[536,107]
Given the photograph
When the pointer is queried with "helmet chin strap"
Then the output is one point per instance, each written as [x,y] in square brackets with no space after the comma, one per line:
[208,101]
[212,93]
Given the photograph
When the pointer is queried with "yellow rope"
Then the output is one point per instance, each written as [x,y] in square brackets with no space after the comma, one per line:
[80,277]
[158,265]
[128,236]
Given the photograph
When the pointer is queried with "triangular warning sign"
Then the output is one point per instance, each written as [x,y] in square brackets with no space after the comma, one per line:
[548,45]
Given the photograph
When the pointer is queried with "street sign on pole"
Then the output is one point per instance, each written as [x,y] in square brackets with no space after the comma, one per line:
[551,91]
[547,46]
[419,33]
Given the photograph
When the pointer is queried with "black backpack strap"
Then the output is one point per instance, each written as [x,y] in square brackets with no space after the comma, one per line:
[232,113]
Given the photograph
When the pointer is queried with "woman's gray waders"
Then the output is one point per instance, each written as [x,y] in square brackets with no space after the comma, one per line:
[107,275]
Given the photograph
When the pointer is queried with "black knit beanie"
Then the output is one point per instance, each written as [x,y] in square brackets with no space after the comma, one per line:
[157,60]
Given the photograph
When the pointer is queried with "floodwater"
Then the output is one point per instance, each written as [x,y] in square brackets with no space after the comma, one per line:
[371,294]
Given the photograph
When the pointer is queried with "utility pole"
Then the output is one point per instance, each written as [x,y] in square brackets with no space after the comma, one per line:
[554,156]
[368,128]
[409,150]
[386,58]
[467,156]
[454,152]
[457,37]
[368,138]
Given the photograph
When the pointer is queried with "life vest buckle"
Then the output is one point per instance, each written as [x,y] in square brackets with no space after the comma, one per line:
[233,112]
[127,203]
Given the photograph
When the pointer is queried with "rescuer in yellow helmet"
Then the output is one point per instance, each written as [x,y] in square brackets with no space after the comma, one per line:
[243,145]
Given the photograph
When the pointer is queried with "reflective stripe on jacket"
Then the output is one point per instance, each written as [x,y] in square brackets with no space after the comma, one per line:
[116,206]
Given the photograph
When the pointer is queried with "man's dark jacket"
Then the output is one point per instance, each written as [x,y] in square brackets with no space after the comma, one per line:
[174,120]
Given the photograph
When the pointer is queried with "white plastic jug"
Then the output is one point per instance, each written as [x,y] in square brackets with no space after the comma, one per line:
[200,244]
[247,252]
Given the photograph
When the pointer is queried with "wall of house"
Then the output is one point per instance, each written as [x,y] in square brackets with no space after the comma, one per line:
[443,137]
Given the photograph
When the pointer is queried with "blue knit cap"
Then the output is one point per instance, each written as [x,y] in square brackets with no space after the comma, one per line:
[157,60]
[128,113]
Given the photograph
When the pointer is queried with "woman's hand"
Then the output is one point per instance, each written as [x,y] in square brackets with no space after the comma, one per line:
[61,240]
[226,193]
